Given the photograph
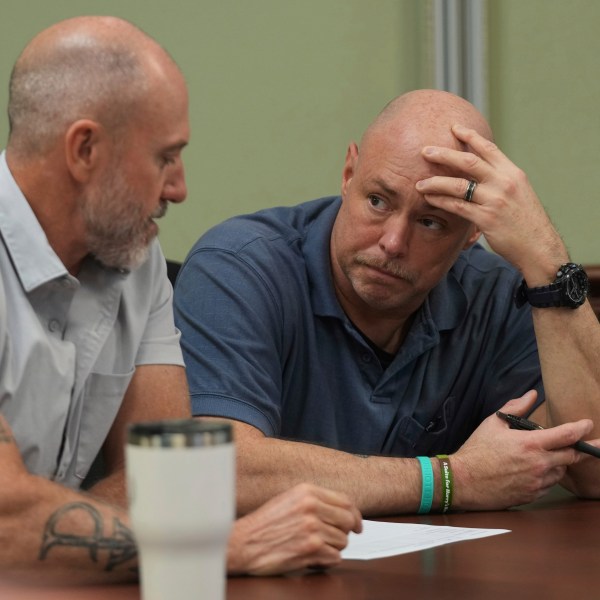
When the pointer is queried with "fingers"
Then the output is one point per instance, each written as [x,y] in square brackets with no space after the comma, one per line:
[465,164]
[335,508]
[478,164]
[456,188]
[552,478]
[305,526]
[553,438]
[564,436]
[507,467]
[521,406]
[333,536]
[481,146]
[483,156]
[482,165]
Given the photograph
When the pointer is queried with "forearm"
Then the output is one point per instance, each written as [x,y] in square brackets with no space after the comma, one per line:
[569,348]
[377,485]
[495,469]
[50,533]
[568,343]
[111,489]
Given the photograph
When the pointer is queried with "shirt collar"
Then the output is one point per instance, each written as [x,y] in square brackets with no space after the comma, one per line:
[318,260]
[34,259]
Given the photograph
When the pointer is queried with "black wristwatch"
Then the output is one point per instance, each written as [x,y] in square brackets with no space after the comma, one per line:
[570,288]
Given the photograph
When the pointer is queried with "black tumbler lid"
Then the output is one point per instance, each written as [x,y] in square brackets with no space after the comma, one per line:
[180,433]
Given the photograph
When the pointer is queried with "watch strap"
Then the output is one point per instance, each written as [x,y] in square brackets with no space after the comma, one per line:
[556,293]
[541,297]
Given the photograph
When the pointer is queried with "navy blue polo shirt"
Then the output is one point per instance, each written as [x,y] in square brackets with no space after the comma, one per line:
[266,342]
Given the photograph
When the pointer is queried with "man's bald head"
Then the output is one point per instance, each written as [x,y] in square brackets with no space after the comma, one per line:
[425,117]
[87,67]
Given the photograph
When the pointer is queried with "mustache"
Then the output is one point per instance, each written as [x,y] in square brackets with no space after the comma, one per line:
[161,211]
[388,265]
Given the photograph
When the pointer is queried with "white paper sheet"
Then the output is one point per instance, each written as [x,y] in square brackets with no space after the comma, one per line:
[380,539]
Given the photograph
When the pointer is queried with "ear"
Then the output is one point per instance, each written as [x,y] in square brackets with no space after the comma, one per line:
[83,148]
[473,237]
[349,166]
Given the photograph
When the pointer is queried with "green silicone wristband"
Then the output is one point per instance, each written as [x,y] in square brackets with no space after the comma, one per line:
[427,484]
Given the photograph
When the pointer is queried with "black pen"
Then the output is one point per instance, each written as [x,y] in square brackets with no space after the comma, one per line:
[523,423]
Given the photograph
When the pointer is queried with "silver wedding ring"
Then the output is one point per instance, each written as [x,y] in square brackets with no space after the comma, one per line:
[470,190]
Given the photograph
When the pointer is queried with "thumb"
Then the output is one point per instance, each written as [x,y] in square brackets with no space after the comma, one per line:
[521,406]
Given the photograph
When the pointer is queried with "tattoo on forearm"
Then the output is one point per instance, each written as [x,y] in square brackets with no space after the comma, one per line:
[120,547]
[362,455]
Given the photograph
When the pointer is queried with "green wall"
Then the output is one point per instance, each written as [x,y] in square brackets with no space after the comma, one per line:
[545,107]
[278,89]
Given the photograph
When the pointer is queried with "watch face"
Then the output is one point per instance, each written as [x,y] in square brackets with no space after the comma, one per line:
[575,287]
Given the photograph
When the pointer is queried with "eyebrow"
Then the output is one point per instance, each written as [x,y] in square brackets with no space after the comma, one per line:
[176,147]
[387,189]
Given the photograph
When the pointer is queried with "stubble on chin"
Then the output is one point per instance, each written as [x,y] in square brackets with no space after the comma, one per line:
[124,242]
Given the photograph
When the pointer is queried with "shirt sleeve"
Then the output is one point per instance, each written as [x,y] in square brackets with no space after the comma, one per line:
[231,323]
[160,340]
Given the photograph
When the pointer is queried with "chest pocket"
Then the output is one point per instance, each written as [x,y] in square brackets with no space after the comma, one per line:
[411,438]
[103,396]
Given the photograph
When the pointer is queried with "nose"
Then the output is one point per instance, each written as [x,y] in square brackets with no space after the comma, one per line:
[175,188]
[395,237]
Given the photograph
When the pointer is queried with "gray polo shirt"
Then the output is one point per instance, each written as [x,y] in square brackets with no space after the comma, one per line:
[69,346]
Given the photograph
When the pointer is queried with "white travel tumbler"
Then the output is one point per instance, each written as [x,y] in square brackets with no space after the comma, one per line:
[181,488]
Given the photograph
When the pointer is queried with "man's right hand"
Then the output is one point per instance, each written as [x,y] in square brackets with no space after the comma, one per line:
[307,526]
[498,467]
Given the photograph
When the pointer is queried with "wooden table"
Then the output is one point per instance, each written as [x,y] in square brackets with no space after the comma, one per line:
[552,552]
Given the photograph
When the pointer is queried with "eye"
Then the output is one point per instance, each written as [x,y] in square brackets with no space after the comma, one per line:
[376,202]
[432,223]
